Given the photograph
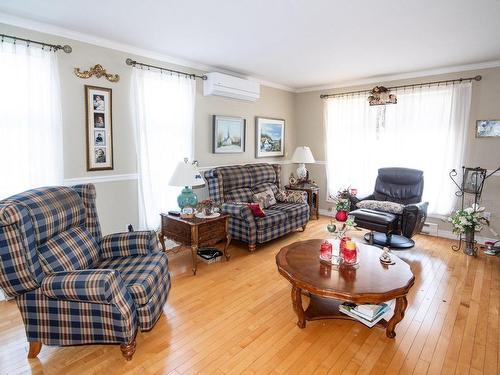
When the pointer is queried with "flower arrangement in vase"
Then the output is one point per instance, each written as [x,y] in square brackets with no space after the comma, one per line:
[342,204]
[206,206]
[468,221]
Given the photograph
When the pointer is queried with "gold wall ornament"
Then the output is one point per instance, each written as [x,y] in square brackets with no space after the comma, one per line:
[97,71]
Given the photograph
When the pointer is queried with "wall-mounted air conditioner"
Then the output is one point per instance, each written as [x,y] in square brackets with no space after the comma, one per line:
[231,87]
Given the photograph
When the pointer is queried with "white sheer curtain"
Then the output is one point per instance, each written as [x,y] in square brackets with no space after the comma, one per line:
[163,110]
[425,130]
[30,119]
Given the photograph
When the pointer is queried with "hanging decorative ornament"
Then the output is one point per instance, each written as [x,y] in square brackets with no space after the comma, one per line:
[381,95]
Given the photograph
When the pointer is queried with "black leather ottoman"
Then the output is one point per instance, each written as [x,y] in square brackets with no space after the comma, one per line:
[382,226]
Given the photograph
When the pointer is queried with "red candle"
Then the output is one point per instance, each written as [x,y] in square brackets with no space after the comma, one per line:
[348,251]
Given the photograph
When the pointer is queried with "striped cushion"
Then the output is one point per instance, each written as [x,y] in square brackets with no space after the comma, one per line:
[74,249]
[52,209]
[142,274]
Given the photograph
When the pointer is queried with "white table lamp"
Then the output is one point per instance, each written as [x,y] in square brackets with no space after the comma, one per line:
[302,155]
[187,175]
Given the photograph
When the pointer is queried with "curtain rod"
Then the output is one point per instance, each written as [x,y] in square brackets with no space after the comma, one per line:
[134,63]
[470,79]
[55,47]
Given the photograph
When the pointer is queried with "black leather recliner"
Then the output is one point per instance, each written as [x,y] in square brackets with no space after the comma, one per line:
[395,229]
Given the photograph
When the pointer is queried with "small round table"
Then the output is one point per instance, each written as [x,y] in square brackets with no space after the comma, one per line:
[328,286]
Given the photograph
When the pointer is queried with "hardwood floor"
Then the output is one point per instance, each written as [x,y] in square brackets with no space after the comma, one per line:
[236,317]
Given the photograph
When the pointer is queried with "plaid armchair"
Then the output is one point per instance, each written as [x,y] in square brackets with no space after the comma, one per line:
[233,186]
[71,284]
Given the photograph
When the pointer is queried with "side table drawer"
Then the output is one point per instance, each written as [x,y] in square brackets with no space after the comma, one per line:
[176,231]
[212,232]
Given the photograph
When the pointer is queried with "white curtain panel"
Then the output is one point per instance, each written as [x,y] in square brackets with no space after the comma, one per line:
[163,112]
[31,122]
[425,130]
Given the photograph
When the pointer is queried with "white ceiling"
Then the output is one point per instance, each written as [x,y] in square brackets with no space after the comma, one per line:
[297,43]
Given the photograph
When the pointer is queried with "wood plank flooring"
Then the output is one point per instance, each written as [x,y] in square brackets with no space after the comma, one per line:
[236,318]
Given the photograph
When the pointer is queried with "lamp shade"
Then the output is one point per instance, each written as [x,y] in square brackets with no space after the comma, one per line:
[303,154]
[186,174]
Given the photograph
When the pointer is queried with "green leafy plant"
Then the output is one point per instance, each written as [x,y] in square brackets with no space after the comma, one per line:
[468,219]
[342,200]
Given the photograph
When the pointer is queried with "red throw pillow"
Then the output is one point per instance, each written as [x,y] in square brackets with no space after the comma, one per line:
[256,210]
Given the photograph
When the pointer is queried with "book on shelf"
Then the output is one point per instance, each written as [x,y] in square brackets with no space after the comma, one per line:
[350,310]
[369,311]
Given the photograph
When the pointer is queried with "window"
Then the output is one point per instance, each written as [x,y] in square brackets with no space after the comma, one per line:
[426,130]
[30,119]
[163,116]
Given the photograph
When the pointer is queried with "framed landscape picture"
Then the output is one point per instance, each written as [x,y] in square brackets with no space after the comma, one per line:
[487,128]
[98,107]
[269,137]
[228,135]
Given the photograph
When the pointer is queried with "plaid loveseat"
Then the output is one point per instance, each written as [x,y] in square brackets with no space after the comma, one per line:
[71,284]
[233,186]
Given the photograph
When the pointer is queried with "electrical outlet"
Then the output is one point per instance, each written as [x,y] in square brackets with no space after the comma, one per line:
[487,216]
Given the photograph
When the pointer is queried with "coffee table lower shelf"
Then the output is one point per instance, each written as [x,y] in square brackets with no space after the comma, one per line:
[328,308]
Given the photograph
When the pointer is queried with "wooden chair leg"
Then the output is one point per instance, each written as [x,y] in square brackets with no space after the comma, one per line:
[304,227]
[34,349]
[128,350]
[251,247]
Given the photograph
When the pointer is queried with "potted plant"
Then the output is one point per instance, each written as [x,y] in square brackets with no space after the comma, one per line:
[206,206]
[468,221]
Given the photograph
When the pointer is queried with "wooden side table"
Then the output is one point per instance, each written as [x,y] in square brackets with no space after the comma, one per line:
[195,233]
[312,198]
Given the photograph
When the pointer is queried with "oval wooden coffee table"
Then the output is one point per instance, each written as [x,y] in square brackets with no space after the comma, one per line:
[369,282]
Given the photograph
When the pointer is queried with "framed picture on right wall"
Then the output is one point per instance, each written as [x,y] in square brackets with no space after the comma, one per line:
[269,137]
[487,128]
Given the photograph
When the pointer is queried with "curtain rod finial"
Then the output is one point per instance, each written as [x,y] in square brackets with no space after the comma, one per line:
[67,48]
[130,62]
[478,78]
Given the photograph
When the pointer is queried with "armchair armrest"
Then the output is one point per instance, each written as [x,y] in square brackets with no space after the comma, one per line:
[413,218]
[129,243]
[240,211]
[95,286]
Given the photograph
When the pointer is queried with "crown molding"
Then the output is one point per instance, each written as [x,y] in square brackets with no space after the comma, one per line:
[47,28]
[409,75]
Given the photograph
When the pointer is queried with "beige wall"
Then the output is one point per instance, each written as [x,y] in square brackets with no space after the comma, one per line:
[480,152]
[117,200]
